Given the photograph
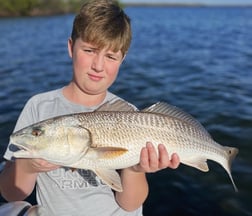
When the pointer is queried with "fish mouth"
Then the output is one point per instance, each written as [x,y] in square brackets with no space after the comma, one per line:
[21,147]
[22,151]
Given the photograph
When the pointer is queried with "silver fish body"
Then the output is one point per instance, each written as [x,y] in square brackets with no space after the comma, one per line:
[103,141]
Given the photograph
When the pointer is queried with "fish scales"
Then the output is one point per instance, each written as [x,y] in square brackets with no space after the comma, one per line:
[132,130]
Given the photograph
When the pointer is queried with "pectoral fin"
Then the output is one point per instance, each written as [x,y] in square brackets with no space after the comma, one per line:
[198,163]
[111,178]
[110,152]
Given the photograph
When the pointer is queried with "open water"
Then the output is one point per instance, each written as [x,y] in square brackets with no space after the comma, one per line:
[199,59]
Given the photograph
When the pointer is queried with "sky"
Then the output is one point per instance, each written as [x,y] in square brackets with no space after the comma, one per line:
[228,2]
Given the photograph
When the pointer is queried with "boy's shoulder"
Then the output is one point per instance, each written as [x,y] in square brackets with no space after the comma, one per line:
[46,95]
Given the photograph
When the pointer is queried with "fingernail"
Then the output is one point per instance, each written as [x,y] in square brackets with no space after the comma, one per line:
[161,146]
[149,144]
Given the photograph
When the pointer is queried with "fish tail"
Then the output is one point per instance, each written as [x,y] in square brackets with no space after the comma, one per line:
[232,152]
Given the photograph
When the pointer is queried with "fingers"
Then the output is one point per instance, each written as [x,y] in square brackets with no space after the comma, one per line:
[42,165]
[152,160]
[29,165]
[164,159]
[174,162]
[148,159]
[144,159]
[153,157]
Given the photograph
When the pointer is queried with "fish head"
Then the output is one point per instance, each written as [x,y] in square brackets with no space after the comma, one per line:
[59,140]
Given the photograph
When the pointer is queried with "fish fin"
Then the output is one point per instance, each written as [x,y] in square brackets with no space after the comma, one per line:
[117,105]
[110,152]
[111,178]
[175,112]
[198,163]
[232,152]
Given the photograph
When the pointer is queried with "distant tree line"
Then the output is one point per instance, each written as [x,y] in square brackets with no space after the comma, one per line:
[38,7]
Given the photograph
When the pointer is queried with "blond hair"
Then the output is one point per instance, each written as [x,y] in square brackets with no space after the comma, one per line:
[104,24]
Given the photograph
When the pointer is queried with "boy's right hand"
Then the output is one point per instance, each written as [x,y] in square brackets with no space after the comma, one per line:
[36,165]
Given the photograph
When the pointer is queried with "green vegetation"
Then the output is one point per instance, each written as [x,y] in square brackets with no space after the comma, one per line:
[38,7]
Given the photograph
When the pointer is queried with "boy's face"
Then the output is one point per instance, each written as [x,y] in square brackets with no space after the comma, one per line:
[94,69]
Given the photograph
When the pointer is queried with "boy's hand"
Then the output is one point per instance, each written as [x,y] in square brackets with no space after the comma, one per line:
[37,165]
[150,161]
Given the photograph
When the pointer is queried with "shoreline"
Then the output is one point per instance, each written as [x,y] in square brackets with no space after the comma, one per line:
[156,4]
[49,12]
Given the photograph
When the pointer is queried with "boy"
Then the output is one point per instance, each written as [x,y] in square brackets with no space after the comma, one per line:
[100,38]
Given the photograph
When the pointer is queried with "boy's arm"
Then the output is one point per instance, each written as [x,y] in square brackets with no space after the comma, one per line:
[18,178]
[135,186]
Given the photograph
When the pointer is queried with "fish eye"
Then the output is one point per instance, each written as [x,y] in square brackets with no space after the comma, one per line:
[36,132]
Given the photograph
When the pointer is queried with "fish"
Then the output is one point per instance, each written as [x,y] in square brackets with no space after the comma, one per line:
[111,138]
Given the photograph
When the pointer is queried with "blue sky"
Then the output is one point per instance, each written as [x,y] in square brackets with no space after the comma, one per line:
[195,1]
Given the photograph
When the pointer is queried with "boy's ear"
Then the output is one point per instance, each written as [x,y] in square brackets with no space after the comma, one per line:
[70,47]
[124,57]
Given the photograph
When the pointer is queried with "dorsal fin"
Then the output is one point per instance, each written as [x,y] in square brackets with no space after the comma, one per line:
[173,111]
[117,105]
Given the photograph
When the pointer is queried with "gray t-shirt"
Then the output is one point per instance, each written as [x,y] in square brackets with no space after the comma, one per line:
[63,191]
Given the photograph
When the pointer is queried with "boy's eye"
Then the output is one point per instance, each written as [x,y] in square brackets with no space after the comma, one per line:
[88,50]
[112,57]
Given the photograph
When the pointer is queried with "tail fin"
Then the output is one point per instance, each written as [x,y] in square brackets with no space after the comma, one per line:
[232,152]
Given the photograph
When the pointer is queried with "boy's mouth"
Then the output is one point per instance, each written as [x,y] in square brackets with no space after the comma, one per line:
[95,77]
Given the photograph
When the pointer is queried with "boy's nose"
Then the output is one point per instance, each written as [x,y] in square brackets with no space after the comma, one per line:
[98,63]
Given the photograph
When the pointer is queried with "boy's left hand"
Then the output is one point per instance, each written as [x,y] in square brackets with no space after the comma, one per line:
[151,161]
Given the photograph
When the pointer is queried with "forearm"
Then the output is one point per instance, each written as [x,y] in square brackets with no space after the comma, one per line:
[135,186]
[135,189]
[16,180]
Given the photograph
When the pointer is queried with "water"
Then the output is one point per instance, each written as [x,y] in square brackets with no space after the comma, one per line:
[199,59]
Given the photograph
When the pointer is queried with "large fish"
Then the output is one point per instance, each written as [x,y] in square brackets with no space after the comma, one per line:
[106,140]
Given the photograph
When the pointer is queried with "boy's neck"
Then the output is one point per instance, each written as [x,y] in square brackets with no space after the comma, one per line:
[77,96]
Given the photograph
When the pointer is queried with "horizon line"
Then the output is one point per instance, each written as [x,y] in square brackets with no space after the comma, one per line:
[185,4]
